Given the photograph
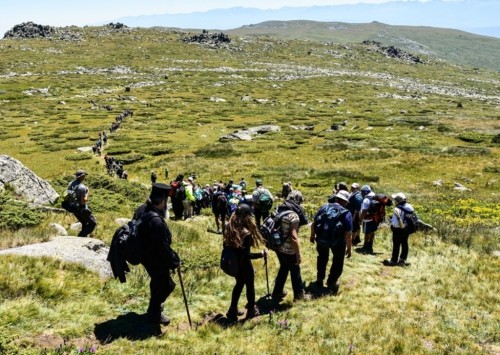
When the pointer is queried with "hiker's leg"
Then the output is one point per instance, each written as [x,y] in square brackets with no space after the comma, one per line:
[249,275]
[404,246]
[217,222]
[240,282]
[88,222]
[337,264]
[321,262]
[258,215]
[160,286]
[296,277]
[282,275]
[396,244]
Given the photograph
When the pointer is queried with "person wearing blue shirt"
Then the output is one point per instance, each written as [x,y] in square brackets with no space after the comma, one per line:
[334,236]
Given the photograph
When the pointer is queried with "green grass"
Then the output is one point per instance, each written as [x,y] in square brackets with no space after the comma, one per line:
[404,129]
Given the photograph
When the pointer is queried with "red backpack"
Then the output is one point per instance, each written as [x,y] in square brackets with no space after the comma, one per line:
[376,210]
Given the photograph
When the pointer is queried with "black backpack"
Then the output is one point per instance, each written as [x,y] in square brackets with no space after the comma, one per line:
[229,261]
[327,225]
[180,193]
[129,241]
[411,221]
[271,230]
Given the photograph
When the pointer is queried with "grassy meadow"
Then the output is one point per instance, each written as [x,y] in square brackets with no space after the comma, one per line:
[403,127]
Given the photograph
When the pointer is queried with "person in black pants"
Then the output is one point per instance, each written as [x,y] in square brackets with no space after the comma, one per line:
[159,258]
[241,234]
[336,237]
[400,233]
[76,203]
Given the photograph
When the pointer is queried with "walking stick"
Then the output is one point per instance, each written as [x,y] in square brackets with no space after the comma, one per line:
[184,296]
[267,275]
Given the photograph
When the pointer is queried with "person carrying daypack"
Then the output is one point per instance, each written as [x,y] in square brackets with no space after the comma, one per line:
[372,214]
[404,222]
[159,257]
[219,207]
[75,202]
[331,230]
[241,234]
[354,206]
[176,197]
[262,202]
[189,199]
[288,253]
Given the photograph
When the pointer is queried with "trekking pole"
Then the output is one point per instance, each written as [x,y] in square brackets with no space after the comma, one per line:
[184,296]
[267,275]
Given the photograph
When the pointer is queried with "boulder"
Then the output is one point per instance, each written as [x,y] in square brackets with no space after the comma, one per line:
[248,133]
[122,221]
[25,182]
[60,230]
[90,253]
[76,227]
[460,187]
[303,127]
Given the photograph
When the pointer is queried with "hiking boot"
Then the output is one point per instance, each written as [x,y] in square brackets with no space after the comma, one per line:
[403,263]
[253,312]
[390,263]
[233,313]
[334,288]
[278,298]
[317,284]
[303,296]
[356,241]
[159,318]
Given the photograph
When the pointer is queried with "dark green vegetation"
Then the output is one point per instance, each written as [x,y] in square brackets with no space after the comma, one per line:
[403,126]
[452,45]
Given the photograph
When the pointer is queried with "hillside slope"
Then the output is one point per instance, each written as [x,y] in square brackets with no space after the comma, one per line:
[452,45]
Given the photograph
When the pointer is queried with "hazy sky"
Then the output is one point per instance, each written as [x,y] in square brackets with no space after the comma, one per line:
[90,12]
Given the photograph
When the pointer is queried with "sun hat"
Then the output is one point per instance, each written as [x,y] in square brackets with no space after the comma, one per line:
[366,188]
[399,197]
[355,185]
[343,195]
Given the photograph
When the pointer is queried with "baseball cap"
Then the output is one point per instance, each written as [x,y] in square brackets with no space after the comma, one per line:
[258,182]
[366,188]
[80,173]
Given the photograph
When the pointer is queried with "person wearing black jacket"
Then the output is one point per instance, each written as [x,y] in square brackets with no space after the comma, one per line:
[159,258]
[241,234]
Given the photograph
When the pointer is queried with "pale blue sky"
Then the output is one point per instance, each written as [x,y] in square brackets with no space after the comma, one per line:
[92,12]
[89,12]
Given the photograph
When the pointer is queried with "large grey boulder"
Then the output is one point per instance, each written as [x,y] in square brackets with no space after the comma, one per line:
[25,182]
[89,252]
[247,134]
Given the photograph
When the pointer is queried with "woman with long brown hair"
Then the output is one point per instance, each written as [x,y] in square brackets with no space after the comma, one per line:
[241,234]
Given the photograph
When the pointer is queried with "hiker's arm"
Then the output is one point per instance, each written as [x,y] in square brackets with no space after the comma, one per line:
[348,243]
[312,238]
[248,253]
[362,215]
[296,242]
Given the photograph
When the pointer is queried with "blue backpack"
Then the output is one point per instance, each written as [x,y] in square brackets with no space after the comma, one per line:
[327,225]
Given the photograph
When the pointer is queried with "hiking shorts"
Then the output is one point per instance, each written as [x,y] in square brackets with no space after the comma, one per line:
[369,227]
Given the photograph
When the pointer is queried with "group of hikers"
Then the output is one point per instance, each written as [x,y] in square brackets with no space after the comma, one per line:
[253,224]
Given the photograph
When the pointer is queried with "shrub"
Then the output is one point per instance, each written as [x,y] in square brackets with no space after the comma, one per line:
[216,151]
[78,157]
[16,214]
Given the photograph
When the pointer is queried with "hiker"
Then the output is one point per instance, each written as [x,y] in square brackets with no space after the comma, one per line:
[369,225]
[189,199]
[246,199]
[76,203]
[354,206]
[400,232]
[243,184]
[341,186]
[198,203]
[153,177]
[160,258]
[331,230]
[286,189]
[104,138]
[372,214]
[262,202]
[288,253]
[176,196]
[241,234]
[219,207]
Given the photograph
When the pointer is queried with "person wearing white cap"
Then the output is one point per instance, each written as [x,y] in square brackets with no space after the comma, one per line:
[354,206]
[400,233]
[331,230]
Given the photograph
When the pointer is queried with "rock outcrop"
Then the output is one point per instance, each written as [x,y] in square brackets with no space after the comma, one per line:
[247,134]
[90,253]
[25,182]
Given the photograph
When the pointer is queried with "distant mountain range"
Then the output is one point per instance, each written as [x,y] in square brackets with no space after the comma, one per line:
[476,16]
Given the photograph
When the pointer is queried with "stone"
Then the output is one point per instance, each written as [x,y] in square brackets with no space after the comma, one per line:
[84,149]
[438,183]
[24,182]
[89,252]
[248,133]
[60,230]
[76,227]
[122,221]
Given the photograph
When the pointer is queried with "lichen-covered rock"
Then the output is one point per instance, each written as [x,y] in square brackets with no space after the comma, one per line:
[25,182]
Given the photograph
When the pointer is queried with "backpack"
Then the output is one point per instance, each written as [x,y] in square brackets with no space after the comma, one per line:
[229,261]
[265,202]
[129,240]
[376,210]
[411,221]
[180,193]
[271,230]
[327,225]
[70,201]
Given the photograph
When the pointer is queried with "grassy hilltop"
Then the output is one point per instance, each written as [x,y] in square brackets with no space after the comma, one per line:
[404,125]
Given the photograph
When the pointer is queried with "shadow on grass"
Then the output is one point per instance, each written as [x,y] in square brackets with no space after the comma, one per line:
[362,251]
[132,326]
[266,308]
